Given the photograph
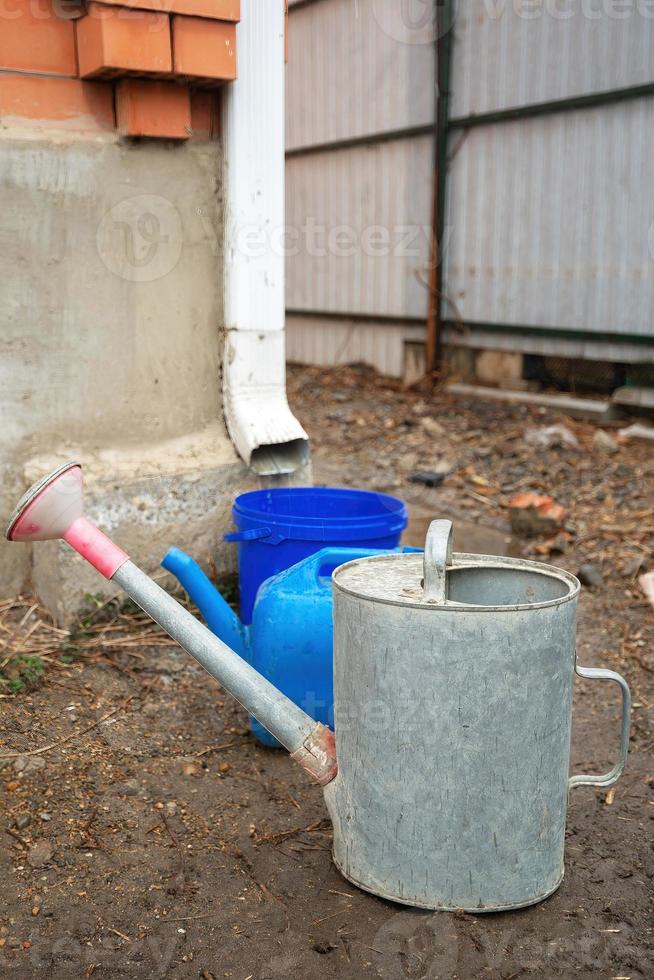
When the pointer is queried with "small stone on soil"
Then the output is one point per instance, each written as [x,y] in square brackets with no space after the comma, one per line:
[428,478]
[636,566]
[40,853]
[323,947]
[129,788]
[27,764]
[551,437]
[604,443]
[431,426]
[590,576]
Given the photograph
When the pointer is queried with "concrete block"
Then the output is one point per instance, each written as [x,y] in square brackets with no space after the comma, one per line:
[414,362]
[113,41]
[156,109]
[635,397]
[577,408]
[33,38]
[204,49]
[496,367]
[460,362]
[112,309]
[14,560]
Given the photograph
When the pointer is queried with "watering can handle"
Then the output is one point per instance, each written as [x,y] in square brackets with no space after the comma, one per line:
[598,673]
[438,555]
[336,556]
[252,534]
[314,564]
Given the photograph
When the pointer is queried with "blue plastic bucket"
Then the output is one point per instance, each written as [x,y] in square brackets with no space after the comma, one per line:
[278,528]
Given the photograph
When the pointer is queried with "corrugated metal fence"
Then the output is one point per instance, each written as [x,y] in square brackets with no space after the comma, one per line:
[360,106]
[549,228]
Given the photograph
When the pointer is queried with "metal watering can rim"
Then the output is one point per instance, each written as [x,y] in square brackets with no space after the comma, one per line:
[402,585]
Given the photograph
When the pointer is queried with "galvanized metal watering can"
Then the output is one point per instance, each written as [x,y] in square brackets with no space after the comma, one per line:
[453,707]
[453,697]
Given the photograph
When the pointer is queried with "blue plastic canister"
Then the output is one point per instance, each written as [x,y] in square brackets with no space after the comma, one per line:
[291,635]
[279,527]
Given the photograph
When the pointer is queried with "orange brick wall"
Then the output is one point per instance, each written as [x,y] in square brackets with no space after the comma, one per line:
[126,65]
[114,41]
[33,39]
[145,108]
[204,49]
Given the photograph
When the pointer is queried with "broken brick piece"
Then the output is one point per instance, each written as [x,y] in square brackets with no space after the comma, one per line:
[532,514]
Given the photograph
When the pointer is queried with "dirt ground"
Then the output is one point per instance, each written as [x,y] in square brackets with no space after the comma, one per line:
[164,842]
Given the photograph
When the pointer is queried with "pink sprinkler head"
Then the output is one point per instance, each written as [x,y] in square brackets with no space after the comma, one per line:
[53,508]
[49,507]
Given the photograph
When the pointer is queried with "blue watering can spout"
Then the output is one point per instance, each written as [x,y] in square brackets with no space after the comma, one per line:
[217,614]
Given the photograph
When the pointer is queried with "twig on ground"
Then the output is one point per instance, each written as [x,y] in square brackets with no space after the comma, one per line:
[318,826]
[216,748]
[181,873]
[14,833]
[347,908]
[77,735]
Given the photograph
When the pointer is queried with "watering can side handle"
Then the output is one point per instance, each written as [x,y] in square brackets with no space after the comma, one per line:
[335,555]
[599,673]
[252,534]
[338,555]
[438,555]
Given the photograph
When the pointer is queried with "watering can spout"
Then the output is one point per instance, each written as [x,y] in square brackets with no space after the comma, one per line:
[53,508]
[217,614]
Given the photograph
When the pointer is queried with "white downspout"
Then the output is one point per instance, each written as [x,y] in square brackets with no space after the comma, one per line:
[262,427]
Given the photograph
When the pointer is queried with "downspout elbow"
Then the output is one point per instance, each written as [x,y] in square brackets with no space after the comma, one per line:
[261,425]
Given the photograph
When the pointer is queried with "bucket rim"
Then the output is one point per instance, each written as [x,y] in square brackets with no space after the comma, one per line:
[392,508]
[462,560]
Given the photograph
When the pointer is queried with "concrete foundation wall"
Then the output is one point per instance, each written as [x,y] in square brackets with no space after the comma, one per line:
[111,338]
